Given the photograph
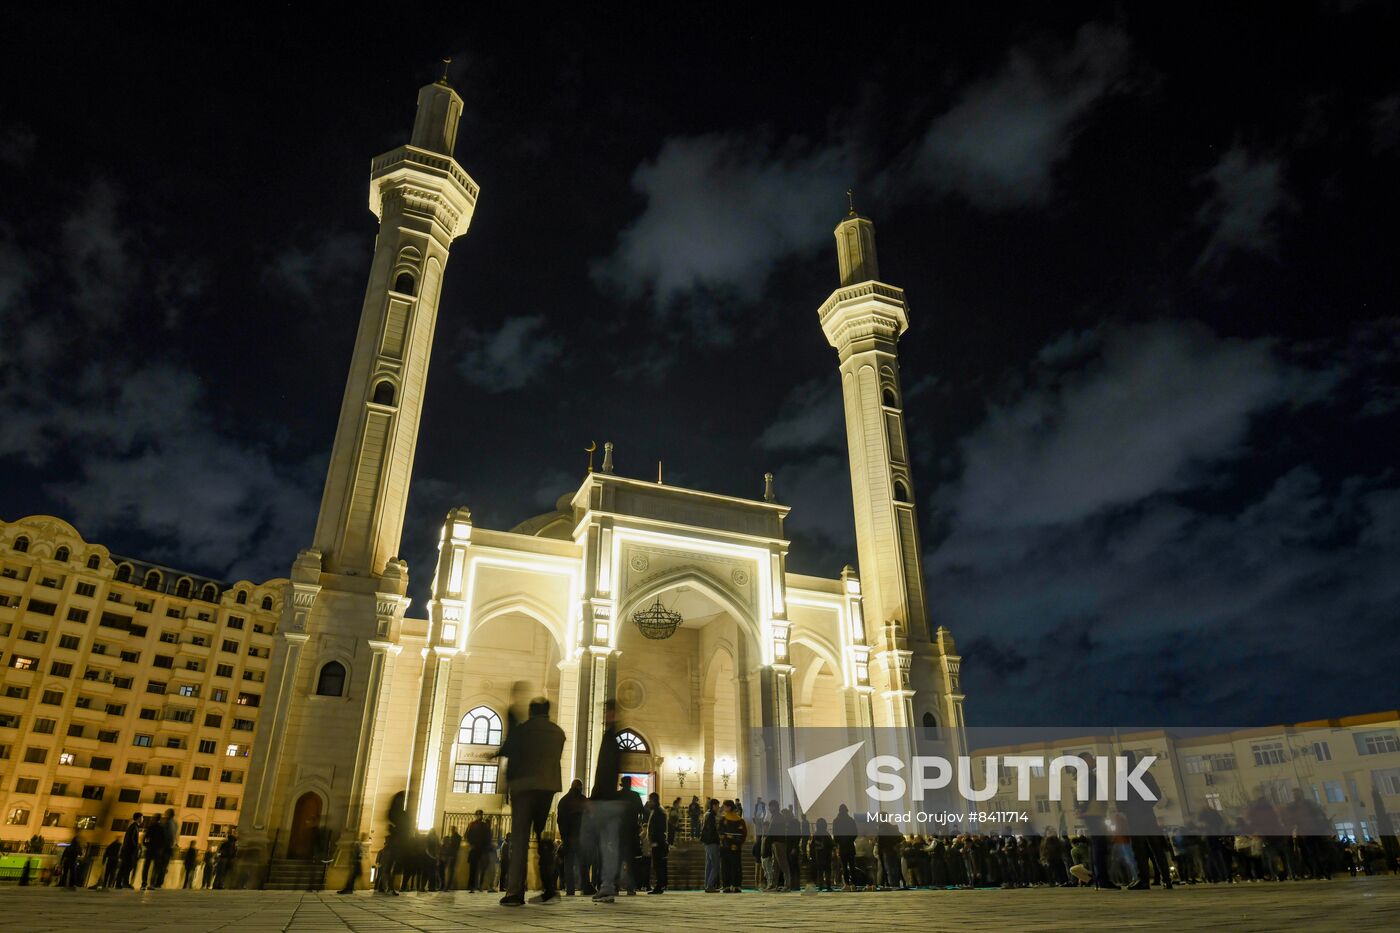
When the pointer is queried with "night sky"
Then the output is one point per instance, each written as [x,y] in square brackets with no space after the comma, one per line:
[1152,375]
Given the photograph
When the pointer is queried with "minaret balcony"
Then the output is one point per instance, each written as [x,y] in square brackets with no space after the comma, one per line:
[439,175]
[866,309]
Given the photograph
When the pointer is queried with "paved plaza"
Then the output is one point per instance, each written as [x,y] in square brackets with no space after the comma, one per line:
[1343,904]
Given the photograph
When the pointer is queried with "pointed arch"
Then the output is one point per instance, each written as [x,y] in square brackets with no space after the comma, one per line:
[703,582]
[526,605]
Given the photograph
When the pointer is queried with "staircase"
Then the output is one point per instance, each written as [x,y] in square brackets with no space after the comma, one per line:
[285,874]
[685,866]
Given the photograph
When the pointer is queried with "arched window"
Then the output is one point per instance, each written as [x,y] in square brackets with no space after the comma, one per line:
[267,602]
[481,726]
[94,562]
[384,393]
[887,396]
[19,816]
[331,682]
[241,598]
[183,588]
[124,573]
[901,491]
[210,593]
[61,554]
[930,727]
[404,283]
[629,741]
[152,580]
[21,544]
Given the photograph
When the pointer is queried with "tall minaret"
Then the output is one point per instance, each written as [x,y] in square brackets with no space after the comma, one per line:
[329,756]
[423,200]
[863,320]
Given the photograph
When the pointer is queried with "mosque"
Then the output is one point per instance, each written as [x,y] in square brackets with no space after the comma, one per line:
[676,603]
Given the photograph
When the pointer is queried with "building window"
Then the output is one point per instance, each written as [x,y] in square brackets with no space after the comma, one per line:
[35,755]
[152,581]
[1213,801]
[254,699]
[67,758]
[27,786]
[267,602]
[474,779]
[93,791]
[210,593]
[129,795]
[1335,793]
[230,646]
[94,562]
[78,615]
[189,828]
[52,697]
[241,598]
[20,663]
[1376,743]
[19,816]
[235,622]
[142,740]
[901,491]
[330,683]
[22,545]
[384,393]
[213,720]
[61,554]
[45,726]
[480,726]
[182,589]
[629,741]
[1269,753]
[108,736]
[189,690]
[200,774]
[403,285]
[100,764]
[207,746]
[61,669]
[124,573]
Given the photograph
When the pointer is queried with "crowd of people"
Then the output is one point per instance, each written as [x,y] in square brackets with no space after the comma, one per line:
[141,859]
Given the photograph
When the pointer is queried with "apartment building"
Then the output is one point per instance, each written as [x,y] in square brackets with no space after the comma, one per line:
[125,686]
[1349,767]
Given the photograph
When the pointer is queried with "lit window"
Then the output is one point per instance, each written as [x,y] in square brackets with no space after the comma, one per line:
[629,741]
[474,779]
[481,726]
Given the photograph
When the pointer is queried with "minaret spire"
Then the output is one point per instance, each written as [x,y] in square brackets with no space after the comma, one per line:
[863,320]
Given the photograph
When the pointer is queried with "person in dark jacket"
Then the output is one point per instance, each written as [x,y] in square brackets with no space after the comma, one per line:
[111,864]
[844,829]
[1148,844]
[820,850]
[569,818]
[533,751]
[1094,814]
[658,837]
[479,846]
[605,810]
[695,813]
[709,838]
[191,863]
[154,838]
[732,833]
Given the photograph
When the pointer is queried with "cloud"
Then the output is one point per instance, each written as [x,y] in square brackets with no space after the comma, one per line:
[127,436]
[511,356]
[813,418]
[1246,203]
[1074,443]
[17,145]
[721,211]
[1385,125]
[1000,142]
[306,270]
[1124,521]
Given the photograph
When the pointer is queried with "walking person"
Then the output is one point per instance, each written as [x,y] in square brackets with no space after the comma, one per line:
[532,752]
[1094,813]
[228,855]
[658,830]
[357,855]
[68,864]
[607,809]
[130,851]
[167,849]
[1147,842]
[111,861]
[709,838]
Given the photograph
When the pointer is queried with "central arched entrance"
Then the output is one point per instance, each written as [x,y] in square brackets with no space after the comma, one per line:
[306,820]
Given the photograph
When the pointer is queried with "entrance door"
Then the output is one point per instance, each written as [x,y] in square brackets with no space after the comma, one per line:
[306,820]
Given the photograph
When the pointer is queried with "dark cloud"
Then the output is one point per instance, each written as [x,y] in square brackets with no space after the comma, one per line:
[1000,142]
[813,419]
[511,356]
[1085,530]
[305,268]
[721,211]
[1246,204]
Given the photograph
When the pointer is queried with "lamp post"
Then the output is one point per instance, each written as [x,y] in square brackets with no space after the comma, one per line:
[726,770]
[684,765]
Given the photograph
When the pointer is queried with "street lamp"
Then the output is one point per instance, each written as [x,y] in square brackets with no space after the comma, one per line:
[726,770]
[684,765]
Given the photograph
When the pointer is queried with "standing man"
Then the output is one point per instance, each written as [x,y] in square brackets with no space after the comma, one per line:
[709,838]
[606,807]
[695,813]
[657,835]
[532,752]
[191,862]
[1094,813]
[168,848]
[844,829]
[478,852]
[570,820]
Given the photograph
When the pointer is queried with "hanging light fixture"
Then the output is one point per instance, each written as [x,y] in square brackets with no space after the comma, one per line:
[656,621]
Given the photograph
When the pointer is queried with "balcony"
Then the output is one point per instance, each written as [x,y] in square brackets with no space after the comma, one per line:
[169,754]
[96,713]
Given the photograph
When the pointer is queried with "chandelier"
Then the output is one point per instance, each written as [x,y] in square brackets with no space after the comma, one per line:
[656,621]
